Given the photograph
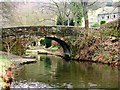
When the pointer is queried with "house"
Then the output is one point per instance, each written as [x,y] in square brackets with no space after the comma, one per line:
[108,13]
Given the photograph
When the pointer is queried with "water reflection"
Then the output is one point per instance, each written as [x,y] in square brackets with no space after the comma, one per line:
[59,73]
[47,62]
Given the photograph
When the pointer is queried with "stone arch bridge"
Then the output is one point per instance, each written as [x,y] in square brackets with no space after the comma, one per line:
[66,34]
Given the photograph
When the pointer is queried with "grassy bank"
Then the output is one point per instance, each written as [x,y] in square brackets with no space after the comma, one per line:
[9,62]
[4,63]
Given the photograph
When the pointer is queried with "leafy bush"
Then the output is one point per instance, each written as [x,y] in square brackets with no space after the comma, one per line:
[42,42]
[111,32]
[59,20]
[95,24]
[102,22]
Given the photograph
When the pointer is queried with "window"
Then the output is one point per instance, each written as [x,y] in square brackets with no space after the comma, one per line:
[108,17]
[114,16]
[102,17]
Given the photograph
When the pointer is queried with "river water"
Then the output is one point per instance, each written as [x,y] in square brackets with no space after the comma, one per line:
[54,72]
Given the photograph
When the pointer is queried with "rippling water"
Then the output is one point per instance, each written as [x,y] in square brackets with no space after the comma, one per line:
[54,72]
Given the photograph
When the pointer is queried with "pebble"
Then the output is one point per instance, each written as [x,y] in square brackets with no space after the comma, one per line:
[92,84]
[16,85]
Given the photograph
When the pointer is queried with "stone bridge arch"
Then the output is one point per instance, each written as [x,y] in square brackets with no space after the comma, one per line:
[63,44]
[66,33]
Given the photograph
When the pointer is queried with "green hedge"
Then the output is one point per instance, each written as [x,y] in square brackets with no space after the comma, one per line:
[102,22]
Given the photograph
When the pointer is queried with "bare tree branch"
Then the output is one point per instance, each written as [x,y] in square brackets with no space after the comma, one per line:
[92,3]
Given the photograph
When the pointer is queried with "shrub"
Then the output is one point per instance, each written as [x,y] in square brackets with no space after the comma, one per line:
[111,32]
[102,22]
[95,24]
[42,42]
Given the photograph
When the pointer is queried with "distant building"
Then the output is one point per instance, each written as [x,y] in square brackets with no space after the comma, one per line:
[109,13]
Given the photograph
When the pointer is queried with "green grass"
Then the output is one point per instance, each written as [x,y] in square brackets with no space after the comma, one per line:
[4,62]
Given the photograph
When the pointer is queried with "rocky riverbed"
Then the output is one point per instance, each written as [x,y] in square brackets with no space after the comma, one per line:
[18,85]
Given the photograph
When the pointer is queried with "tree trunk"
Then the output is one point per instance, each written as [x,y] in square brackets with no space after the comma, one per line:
[68,22]
[75,21]
[86,26]
[85,13]
[8,51]
[62,21]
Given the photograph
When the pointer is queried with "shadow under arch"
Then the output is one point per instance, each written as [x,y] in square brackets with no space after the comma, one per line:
[64,45]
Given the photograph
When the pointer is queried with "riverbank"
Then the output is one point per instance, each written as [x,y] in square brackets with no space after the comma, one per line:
[100,50]
[6,69]
[5,72]
[101,45]
[17,60]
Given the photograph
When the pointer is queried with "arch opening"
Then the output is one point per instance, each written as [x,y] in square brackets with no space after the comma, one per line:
[63,44]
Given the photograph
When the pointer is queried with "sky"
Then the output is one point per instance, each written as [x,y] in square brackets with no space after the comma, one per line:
[28,0]
[53,0]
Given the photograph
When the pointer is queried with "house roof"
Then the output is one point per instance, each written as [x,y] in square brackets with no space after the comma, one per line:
[116,4]
[108,10]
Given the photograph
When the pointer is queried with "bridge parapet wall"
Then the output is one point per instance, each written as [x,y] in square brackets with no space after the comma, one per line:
[42,31]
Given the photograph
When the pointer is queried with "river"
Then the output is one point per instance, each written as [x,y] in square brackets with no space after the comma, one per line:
[54,72]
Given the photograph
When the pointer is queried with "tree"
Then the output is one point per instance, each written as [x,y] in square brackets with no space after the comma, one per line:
[90,5]
[8,41]
[77,12]
[73,16]
[59,20]
[85,13]
[7,9]
[71,22]
[16,43]
[62,9]
[67,11]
